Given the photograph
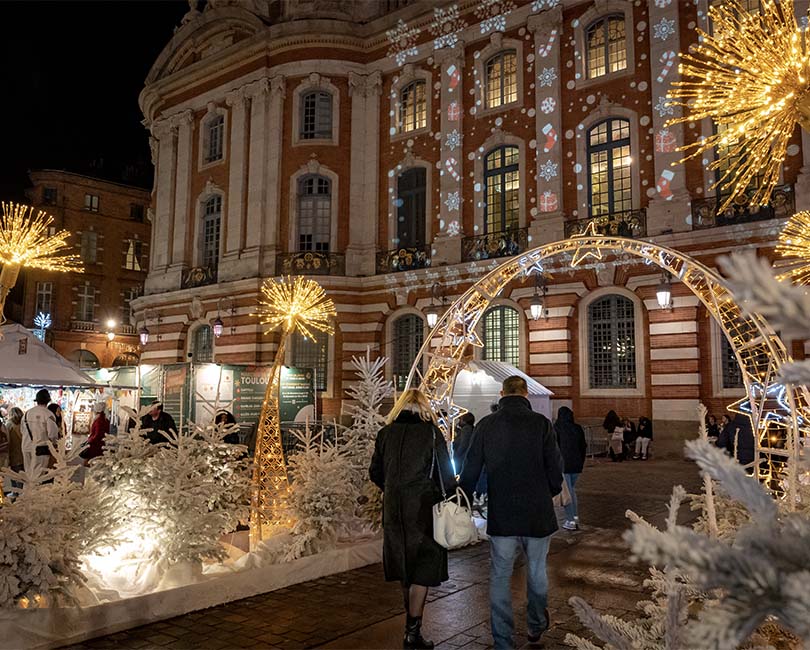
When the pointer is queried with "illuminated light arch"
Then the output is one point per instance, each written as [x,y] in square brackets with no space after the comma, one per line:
[775,409]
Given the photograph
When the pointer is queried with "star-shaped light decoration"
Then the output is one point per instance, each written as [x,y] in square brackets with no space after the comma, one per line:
[584,252]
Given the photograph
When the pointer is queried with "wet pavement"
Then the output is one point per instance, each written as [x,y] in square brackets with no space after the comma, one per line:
[357,609]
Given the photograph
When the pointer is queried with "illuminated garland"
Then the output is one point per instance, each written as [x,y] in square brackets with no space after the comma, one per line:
[794,242]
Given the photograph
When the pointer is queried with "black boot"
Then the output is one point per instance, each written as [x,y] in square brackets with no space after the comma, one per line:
[413,635]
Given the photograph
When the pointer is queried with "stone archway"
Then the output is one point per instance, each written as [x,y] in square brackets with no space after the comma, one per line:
[772,405]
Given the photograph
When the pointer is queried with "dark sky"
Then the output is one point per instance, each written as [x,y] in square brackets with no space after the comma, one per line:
[71,73]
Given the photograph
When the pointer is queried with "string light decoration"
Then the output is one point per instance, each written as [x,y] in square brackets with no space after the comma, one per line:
[25,242]
[774,408]
[751,76]
[794,244]
[293,305]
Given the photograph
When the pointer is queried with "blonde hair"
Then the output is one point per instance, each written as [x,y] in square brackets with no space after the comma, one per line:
[415,401]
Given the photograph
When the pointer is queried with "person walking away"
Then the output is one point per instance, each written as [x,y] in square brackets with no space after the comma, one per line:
[615,431]
[54,408]
[157,422]
[645,434]
[98,432]
[518,449]
[226,419]
[725,438]
[15,454]
[461,443]
[573,447]
[409,455]
[38,428]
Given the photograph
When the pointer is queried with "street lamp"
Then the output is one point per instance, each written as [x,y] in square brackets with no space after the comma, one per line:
[217,327]
[537,305]
[143,334]
[110,329]
[432,310]
[664,292]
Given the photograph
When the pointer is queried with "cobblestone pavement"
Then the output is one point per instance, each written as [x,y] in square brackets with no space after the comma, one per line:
[357,609]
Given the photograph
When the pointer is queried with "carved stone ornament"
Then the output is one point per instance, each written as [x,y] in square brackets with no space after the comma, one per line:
[196,308]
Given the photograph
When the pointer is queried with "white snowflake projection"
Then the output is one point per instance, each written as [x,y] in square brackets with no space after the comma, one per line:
[453,229]
[453,140]
[662,4]
[403,41]
[493,13]
[547,76]
[446,26]
[663,29]
[548,104]
[453,201]
[664,106]
[539,5]
[548,170]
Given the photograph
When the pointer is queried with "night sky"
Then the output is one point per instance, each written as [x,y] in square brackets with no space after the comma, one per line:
[71,75]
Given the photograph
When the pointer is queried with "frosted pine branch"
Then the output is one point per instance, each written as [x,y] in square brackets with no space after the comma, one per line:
[797,373]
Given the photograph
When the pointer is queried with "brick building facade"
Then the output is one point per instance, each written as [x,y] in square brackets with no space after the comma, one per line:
[388,147]
[111,234]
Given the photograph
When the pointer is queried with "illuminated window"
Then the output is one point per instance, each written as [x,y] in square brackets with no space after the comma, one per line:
[91,202]
[89,247]
[312,353]
[607,46]
[413,107]
[44,304]
[316,115]
[213,140]
[612,343]
[209,233]
[609,178]
[411,208]
[501,79]
[409,334]
[732,374]
[502,190]
[314,213]
[86,302]
[502,335]
[725,186]
[202,344]
[132,254]
[126,307]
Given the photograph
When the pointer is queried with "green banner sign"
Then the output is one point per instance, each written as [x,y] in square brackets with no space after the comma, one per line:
[297,394]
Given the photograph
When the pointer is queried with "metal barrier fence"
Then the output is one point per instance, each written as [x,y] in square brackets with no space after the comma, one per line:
[597,440]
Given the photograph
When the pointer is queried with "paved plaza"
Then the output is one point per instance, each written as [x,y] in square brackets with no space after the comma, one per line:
[358,609]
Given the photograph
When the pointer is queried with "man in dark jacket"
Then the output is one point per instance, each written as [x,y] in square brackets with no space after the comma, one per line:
[519,451]
[157,421]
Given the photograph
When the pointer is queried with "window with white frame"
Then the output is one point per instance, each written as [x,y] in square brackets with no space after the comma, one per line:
[316,115]
[91,202]
[213,139]
[44,303]
[501,79]
[133,249]
[86,302]
[314,213]
[732,373]
[606,45]
[89,246]
[411,205]
[202,344]
[502,189]
[210,231]
[413,106]
[312,353]
[408,334]
[126,306]
[609,167]
[612,343]
[501,334]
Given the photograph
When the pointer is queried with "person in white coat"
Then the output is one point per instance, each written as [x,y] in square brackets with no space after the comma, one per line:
[38,427]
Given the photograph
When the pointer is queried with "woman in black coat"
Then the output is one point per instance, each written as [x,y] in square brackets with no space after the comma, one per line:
[409,453]
[573,447]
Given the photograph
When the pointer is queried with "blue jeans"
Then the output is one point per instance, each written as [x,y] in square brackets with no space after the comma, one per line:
[502,553]
[571,508]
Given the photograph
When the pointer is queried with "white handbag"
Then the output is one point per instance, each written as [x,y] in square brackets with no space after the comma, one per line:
[453,526]
[563,498]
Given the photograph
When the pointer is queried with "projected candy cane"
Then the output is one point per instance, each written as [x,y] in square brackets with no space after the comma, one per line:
[545,50]
[450,165]
[667,58]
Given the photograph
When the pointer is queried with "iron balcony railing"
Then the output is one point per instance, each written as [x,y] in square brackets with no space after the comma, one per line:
[495,244]
[630,223]
[127,329]
[199,276]
[403,259]
[82,325]
[312,263]
[706,213]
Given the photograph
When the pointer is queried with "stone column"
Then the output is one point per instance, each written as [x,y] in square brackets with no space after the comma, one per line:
[669,200]
[233,233]
[263,227]
[546,218]
[180,232]
[447,244]
[165,134]
[364,173]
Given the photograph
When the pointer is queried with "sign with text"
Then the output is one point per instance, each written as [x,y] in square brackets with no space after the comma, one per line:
[249,388]
[297,395]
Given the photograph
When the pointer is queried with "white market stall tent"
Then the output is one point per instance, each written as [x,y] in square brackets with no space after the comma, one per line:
[478,387]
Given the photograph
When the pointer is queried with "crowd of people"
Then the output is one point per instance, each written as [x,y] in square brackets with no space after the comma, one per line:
[734,435]
[625,439]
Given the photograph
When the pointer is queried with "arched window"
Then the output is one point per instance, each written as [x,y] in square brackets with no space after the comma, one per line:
[502,190]
[214,133]
[314,213]
[411,199]
[612,341]
[607,46]
[126,359]
[502,335]
[312,353]
[202,344]
[609,176]
[209,233]
[413,107]
[408,334]
[501,79]
[85,359]
[316,115]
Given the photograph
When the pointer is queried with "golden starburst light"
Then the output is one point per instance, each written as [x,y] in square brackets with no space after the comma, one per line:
[750,77]
[297,304]
[794,244]
[25,241]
